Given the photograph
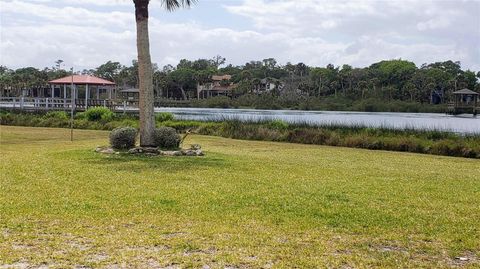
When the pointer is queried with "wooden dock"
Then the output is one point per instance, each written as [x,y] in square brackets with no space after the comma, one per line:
[61,104]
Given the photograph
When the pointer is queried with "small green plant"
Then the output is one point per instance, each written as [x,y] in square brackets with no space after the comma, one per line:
[6,118]
[123,138]
[99,113]
[80,116]
[164,116]
[167,138]
[60,115]
[278,124]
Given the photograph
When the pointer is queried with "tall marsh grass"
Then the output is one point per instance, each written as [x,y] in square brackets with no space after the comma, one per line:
[436,142]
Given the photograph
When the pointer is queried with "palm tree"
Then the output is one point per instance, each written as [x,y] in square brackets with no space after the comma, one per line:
[145,71]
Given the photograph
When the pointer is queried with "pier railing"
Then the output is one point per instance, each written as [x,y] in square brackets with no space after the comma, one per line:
[45,104]
[32,104]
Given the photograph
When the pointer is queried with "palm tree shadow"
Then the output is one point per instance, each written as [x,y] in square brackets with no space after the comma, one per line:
[165,163]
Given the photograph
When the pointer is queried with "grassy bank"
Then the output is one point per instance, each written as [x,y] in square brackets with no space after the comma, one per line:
[314,103]
[246,204]
[428,142]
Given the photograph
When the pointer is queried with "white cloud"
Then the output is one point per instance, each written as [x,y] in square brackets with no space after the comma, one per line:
[39,13]
[437,23]
[421,31]
[87,33]
[83,47]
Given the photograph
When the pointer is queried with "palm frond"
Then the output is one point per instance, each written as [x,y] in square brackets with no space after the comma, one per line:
[171,5]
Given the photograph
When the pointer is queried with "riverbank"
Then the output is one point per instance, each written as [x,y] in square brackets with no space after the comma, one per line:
[463,124]
[315,103]
[408,140]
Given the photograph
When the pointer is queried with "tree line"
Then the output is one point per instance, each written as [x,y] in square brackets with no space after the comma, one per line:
[389,80]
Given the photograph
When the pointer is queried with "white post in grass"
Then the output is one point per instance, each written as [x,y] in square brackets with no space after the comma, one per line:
[72,107]
[86,97]
[65,96]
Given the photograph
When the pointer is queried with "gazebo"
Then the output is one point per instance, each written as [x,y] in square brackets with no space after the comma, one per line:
[465,100]
[85,87]
[130,94]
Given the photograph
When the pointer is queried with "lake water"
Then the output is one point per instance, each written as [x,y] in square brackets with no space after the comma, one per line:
[459,123]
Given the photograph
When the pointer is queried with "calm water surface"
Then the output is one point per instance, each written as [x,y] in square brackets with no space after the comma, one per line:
[459,123]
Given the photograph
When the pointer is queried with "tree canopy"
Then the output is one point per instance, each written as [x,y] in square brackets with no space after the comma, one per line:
[385,80]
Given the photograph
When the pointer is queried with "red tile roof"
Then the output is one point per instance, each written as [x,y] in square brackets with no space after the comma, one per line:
[220,78]
[82,79]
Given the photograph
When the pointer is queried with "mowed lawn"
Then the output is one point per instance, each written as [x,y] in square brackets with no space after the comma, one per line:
[245,204]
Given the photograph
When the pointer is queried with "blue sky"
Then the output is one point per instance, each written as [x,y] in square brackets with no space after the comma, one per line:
[87,33]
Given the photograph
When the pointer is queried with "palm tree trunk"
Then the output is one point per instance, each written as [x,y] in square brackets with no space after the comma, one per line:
[182,91]
[147,116]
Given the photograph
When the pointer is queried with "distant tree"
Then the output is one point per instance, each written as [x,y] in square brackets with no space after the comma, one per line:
[218,61]
[345,78]
[58,63]
[394,72]
[168,68]
[470,79]
[109,70]
[269,63]
[203,76]
[182,79]
[363,86]
[411,90]
[128,76]
[294,83]
[301,69]
[253,65]
[323,79]
[184,63]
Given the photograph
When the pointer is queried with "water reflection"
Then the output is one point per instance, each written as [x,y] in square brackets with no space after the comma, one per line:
[460,124]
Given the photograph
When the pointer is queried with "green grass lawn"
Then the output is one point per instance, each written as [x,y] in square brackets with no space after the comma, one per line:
[246,204]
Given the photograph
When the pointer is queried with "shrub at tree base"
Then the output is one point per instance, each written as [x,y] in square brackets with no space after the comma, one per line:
[99,113]
[167,138]
[123,138]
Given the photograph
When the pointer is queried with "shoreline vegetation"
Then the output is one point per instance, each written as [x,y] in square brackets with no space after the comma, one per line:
[312,104]
[434,142]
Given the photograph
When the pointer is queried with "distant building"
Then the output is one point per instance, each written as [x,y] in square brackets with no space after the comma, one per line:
[219,85]
[87,90]
[129,94]
[464,101]
[266,85]
[85,87]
